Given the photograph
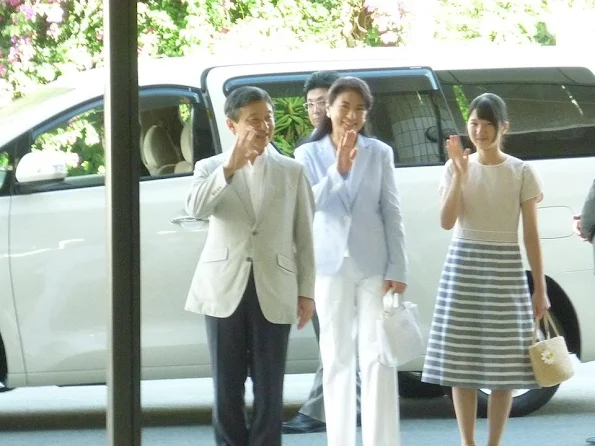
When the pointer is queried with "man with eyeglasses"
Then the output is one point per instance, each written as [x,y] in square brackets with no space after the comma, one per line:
[311,416]
[315,90]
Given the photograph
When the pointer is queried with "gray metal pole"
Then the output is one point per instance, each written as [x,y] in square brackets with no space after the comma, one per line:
[123,165]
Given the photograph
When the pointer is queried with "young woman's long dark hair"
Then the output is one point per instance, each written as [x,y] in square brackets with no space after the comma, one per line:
[342,85]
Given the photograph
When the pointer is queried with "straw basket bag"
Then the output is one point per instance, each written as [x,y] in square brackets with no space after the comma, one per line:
[550,358]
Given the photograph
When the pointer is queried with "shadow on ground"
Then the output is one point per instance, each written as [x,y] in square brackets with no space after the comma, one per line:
[435,408]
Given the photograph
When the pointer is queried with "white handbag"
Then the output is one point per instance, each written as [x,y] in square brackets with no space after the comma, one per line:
[400,338]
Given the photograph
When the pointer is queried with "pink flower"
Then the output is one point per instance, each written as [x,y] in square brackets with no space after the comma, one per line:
[382,22]
[27,52]
[389,38]
[15,2]
[2,69]
[53,30]
[55,14]
[27,10]
[13,55]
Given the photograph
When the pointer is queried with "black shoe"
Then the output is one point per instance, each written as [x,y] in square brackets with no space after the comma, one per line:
[591,440]
[303,424]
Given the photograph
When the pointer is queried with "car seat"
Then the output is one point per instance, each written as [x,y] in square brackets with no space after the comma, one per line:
[186,146]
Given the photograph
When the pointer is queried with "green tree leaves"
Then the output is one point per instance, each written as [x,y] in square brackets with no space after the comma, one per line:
[291,123]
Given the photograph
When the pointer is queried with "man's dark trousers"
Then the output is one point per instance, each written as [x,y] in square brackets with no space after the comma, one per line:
[247,342]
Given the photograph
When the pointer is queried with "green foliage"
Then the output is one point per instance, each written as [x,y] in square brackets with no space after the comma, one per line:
[462,101]
[43,39]
[159,25]
[4,162]
[542,35]
[82,139]
[291,123]
[518,22]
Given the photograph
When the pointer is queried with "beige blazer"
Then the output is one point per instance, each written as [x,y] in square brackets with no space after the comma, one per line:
[277,243]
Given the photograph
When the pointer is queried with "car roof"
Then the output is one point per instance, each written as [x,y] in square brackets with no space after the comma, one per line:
[72,90]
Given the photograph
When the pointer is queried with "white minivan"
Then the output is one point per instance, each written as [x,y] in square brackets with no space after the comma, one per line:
[53,274]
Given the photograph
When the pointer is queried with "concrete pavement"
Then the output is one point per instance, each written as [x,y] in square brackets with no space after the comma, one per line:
[173,411]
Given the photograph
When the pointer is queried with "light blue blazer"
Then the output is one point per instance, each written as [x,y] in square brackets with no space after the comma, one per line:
[359,214]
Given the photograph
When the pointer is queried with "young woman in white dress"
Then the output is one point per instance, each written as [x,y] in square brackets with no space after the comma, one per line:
[484,314]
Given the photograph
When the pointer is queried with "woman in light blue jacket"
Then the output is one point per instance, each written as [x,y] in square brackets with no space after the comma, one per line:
[360,255]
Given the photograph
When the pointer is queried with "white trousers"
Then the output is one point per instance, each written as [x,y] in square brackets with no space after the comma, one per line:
[348,305]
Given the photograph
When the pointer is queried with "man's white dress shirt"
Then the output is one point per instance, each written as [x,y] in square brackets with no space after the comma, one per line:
[254,174]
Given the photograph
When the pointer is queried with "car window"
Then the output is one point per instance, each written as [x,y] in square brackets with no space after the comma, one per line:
[413,123]
[4,168]
[548,120]
[81,138]
[174,134]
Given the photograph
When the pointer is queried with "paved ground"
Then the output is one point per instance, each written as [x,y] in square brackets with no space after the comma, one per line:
[173,411]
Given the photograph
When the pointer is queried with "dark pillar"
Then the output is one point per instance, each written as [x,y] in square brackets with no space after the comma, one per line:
[122,158]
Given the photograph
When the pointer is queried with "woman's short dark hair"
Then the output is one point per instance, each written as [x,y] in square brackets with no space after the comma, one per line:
[241,97]
[342,85]
[490,107]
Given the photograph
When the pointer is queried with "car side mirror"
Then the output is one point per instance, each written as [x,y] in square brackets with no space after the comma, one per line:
[40,166]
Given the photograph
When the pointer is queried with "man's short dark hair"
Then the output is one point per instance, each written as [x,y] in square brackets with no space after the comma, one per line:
[320,79]
[241,97]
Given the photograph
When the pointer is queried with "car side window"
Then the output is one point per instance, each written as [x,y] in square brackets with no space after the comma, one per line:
[413,123]
[5,166]
[81,138]
[174,134]
[548,120]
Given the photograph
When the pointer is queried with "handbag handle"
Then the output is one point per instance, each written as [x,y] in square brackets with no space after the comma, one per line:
[547,322]
[390,301]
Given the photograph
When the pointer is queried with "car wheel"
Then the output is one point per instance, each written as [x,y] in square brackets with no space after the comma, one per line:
[524,401]
[411,386]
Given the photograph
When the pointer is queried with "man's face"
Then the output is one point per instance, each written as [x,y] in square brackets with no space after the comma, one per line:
[316,104]
[259,116]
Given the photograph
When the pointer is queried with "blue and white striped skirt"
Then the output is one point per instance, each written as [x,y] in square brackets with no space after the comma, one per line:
[483,319]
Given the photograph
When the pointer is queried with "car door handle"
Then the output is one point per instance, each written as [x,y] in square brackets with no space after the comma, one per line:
[182,219]
[186,219]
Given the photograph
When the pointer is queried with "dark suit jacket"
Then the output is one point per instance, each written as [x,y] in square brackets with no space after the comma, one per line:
[588,216]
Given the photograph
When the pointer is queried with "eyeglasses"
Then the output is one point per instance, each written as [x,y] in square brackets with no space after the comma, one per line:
[317,104]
